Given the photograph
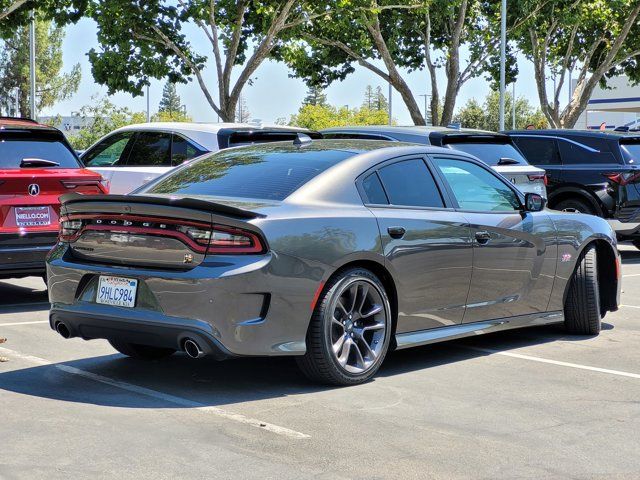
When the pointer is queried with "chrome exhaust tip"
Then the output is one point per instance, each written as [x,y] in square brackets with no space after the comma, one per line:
[192,349]
[63,330]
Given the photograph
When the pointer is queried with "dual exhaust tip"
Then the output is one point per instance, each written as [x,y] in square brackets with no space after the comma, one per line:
[190,346]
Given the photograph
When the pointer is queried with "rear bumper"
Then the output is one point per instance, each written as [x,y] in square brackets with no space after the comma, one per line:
[24,255]
[145,328]
[235,305]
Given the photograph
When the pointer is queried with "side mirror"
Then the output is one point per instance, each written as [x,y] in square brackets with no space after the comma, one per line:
[534,202]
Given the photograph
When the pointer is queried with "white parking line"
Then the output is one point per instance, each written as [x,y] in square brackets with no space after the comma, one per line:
[22,323]
[556,362]
[236,417]
[630,306]
[631,275]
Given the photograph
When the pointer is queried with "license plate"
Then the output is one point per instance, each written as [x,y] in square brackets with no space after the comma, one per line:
[117,291]
[33,216]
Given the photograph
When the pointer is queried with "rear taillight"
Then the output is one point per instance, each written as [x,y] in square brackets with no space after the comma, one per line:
[623,178]
[538,177]
[100,185]
[69,229]
[201,238]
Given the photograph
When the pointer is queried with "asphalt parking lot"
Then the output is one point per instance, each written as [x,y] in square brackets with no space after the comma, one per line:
[530,404]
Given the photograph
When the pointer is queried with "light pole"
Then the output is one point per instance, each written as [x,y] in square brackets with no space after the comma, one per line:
[32,65]
[148,106]
[503,59]
[426,107]
[390,104]
[513,106]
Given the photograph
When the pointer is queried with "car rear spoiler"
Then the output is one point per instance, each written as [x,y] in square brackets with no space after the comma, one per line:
[182,202]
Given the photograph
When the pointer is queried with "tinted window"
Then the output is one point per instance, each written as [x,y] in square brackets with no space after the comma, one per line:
[262,172]
[409,183]
[539,151]
[183,150]
[152,149]
[108,152]
[476,188]
[573,153]
[374,191]
[490,153]
[632,152]
[14,150]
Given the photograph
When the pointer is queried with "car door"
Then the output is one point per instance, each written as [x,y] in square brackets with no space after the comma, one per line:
[514,251]
[108,154]
[427,246]
[150,157]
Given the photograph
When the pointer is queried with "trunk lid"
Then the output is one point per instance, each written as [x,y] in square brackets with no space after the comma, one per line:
[158,232]
[29,197]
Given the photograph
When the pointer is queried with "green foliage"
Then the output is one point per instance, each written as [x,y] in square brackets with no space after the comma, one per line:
[102,117]
[16,13]
[166,116]
[486,116]
[317,117]
[375,99]
[170,102]
[52,85]
[315,96]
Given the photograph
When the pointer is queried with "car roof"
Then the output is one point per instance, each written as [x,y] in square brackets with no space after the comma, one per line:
[206,127]
[15,123]
[408,129]
[610,135]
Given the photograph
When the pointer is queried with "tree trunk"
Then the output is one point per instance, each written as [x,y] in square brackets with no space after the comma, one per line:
[407,97]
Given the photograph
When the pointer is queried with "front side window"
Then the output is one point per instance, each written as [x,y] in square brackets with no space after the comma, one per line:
[410,183]
[475,188]
[108,152]
[539,151]
[151,149]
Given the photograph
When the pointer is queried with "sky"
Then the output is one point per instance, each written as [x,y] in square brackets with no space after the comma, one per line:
[273,94]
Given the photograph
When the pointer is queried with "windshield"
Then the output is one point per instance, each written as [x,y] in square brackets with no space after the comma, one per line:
[490,153]
[14,150]
[264,173]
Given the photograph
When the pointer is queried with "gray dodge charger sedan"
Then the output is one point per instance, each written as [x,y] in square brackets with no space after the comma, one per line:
[332,251]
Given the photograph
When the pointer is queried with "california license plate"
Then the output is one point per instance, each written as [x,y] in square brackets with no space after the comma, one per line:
[117,291]
[33,216]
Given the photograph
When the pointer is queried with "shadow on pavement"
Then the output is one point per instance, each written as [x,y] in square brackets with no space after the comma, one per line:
[630,257]
[26,291]
[231,382]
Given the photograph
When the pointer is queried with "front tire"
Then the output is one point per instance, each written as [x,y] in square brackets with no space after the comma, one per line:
[141,352]
[350,331]
[575,204]
[582,305]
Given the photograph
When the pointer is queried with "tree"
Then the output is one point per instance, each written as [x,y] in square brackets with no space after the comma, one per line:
[52,85]
[102,117]
[315,96]
[369,97]
[170,102]
[380,101]
[486,116]
[317,117]
[598,39]
[177,116]
[16,13]
[384,36]
[142,40]
[243,115]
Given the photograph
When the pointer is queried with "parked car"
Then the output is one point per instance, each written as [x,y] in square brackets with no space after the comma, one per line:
[134,155]
[37,165]
[332,251]
[495,149]
[590,172]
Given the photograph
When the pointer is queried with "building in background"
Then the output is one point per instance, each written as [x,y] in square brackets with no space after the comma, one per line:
[70,125]
[618,106]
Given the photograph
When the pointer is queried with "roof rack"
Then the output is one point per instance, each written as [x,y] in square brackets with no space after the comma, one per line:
[19,119]
[302,140]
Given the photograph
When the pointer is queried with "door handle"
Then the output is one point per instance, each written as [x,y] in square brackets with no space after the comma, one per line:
[483,237]
[396,232]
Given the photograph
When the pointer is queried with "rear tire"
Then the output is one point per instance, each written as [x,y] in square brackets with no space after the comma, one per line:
[582,305]
[576,204]
[141,352]
[350,330]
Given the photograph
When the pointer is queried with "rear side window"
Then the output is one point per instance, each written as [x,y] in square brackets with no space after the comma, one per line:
[539,151]
[631,150]
[581,151]
[490,153]
[262,172]
[151,149]
[374,191]
[13,150]
[183,150]
[410,183]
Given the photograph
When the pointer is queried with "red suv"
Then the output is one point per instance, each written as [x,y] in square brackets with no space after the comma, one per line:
[37,165]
